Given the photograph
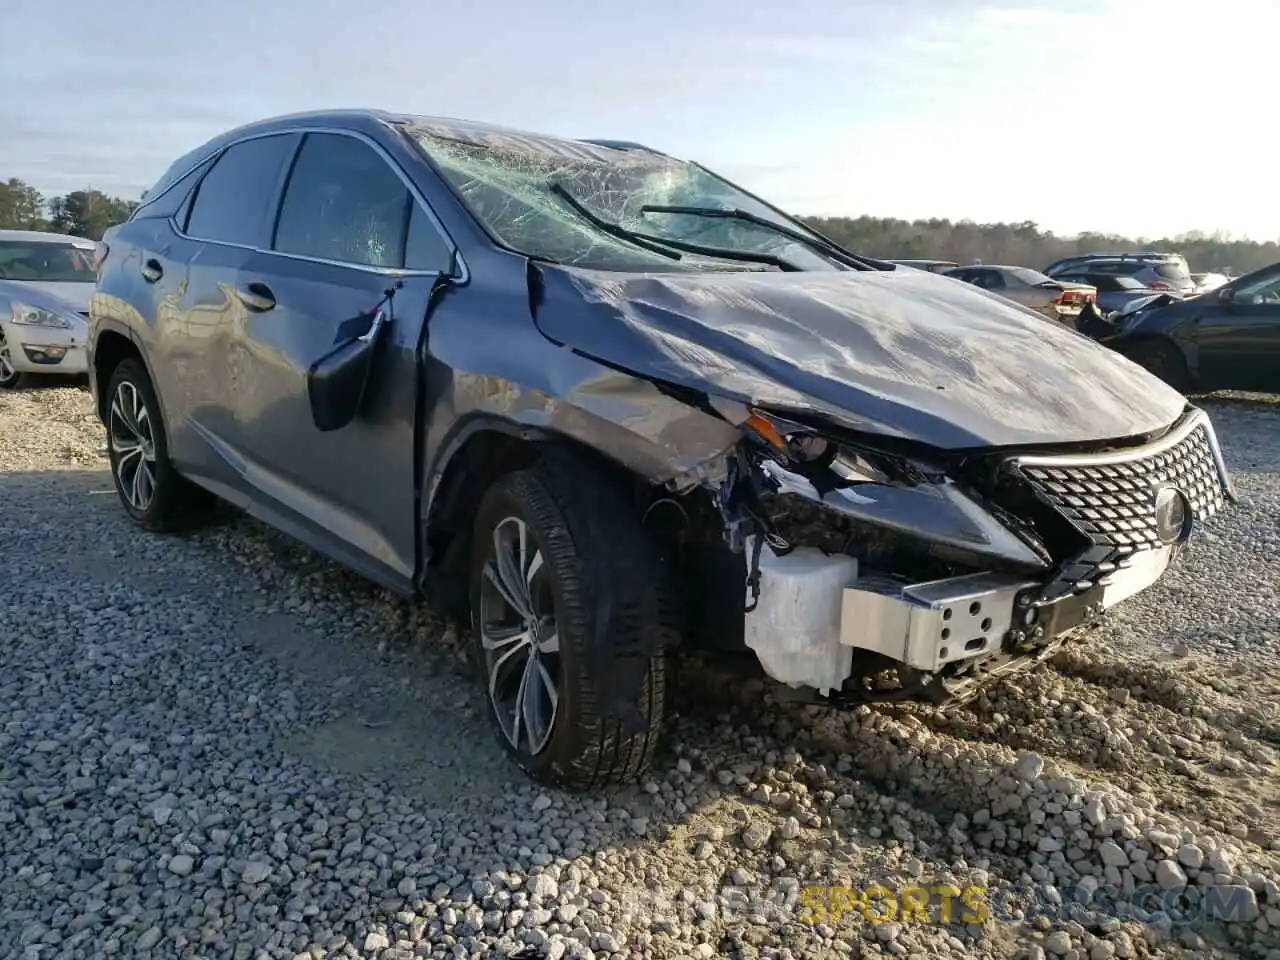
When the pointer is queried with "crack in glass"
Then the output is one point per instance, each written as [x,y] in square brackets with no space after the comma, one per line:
[506,179]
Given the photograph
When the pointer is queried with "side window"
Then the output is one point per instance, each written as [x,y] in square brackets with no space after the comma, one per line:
[425,248]
[989,280]
[1266,290]
[231,201]
[174,201]
[345,203]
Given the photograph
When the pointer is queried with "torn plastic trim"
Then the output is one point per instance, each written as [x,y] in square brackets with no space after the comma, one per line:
[930,507]
[937,512]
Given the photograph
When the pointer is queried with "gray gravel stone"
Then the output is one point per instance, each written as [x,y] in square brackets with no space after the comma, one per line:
[1169,875]
[181,864]
[219,745]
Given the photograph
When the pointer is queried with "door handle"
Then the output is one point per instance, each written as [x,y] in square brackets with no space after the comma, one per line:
[256,296]
[152,271]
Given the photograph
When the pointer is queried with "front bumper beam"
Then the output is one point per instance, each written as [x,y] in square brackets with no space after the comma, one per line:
[816,611]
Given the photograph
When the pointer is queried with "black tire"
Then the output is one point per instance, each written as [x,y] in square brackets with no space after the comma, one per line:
[10,379]
[174,502]
[592,547]
[1163,359]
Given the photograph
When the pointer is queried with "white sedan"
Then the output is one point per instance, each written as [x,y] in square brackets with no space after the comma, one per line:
[46,283]
[1208,281]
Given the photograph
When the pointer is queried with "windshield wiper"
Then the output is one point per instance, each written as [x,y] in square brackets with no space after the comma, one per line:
[814,243]
[665,245]
[613,229]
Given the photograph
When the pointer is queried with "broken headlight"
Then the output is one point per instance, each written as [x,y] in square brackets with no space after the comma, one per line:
[900,496]
[800,448]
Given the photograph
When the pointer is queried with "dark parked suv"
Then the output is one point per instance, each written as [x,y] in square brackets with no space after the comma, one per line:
[603,405]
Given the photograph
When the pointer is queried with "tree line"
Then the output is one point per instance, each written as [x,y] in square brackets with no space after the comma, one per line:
[1025,244]
[88,213]
[83,213]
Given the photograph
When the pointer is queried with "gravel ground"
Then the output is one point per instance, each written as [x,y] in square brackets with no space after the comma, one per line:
[221,745]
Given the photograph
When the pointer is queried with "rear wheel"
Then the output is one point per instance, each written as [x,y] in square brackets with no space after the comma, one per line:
[10,378]
[1162,359]
[152,492]
[562,573]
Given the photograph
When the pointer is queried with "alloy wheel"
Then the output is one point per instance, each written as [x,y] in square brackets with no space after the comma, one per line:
[8,373]
[519,637]
[133,447]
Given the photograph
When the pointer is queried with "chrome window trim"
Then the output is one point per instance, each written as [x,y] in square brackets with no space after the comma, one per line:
[464,273]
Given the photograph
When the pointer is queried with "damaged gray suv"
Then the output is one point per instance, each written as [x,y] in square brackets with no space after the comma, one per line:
[606,407]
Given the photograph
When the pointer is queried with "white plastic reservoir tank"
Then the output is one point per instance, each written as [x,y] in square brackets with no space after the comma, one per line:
[795,628]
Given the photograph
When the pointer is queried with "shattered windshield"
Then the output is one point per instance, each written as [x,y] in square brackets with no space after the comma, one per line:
[516,185]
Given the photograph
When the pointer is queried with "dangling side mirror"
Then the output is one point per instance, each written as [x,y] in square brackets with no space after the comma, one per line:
[336,383]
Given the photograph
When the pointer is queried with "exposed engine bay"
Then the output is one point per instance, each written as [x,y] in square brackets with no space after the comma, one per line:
[875,575]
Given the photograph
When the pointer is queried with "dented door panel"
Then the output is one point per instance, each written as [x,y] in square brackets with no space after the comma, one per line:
[355,485]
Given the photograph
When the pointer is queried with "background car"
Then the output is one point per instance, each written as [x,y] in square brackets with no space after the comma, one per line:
[933,266]
[46,282]
[1056,299]
[1209,281]
[1228,339]
[1115,291]
[1159,271]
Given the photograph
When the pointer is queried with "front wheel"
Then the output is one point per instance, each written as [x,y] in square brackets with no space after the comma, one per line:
[152,492]
[1162,359]
[561,574]
[10,378]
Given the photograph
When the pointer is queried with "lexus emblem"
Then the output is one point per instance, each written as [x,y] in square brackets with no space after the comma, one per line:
[1173,515]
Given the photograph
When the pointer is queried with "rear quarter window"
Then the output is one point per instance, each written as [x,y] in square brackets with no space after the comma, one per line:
[173,201]
[1123,268]
[231,203]
[1172,271]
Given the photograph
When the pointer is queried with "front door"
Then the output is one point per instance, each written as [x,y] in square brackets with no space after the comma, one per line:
[1238,341]
[348,229]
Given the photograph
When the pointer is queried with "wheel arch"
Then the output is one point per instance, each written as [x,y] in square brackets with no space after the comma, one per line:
[113,343]
[1185,352]
[480,450]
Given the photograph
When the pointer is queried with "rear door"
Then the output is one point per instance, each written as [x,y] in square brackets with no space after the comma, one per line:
[348,228]
[198,313]
[1238,342]
[145,275]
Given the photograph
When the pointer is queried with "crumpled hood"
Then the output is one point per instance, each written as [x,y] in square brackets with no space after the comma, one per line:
[64,297]
[904,353]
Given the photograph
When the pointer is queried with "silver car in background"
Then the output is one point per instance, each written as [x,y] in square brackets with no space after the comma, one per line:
[1055,299]
[1165,272]
[46,283]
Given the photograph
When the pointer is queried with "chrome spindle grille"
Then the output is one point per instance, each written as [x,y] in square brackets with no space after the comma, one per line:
[1113,499]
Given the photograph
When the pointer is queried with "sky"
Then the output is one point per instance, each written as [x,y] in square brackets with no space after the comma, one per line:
[1140,117]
